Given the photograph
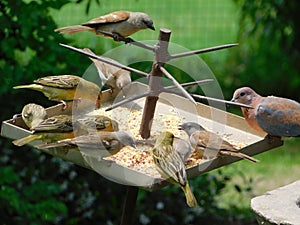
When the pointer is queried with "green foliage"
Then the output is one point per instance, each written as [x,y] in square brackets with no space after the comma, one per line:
[269,48]
[33,203]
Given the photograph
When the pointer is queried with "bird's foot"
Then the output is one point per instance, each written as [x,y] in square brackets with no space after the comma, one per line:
[271,138]
[65,105]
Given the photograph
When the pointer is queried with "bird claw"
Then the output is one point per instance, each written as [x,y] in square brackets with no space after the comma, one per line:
[15,117]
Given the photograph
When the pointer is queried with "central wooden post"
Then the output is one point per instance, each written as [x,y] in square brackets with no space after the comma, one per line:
[161,56]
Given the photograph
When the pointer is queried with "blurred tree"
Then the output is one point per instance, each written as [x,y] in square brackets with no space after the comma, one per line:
[269,52]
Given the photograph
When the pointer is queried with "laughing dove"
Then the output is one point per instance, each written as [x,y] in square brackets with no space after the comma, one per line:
[272,115]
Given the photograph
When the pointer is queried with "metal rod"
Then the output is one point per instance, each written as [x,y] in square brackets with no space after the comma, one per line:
[105,60]
[222,101]
[193,83]
[129,40]
[184,92]
[129,205]
[215,48]
[127,100]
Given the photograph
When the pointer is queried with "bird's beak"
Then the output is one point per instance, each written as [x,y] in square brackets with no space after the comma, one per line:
[180,127]
[232,100]
[151,27]
[133,145]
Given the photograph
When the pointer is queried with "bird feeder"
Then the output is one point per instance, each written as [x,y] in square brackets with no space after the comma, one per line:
[150,101]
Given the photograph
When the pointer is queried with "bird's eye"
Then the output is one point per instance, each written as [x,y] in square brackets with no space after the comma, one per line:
[242,94]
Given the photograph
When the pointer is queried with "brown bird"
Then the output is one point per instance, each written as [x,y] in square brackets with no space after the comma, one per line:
[273,115]
[33,114]
[112,76]
[106,143]
[170,165]
[90,124]
[58,123]
[211,143]
[66,88]
[116,24]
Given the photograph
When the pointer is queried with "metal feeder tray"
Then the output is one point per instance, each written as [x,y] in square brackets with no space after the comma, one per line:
[219,120]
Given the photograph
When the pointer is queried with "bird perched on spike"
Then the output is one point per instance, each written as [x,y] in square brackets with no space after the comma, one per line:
[64,88]
[116,24]
[112,76]
[105,143]
[33,114]
[170,165]
[211,143]
[272,115]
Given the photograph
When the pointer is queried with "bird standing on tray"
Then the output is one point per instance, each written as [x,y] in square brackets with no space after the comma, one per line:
[66,88]
[51,129]
[33,114]
[211,143]
[112,76]
[105,143]
[116,25]
[272,115]
[170,165]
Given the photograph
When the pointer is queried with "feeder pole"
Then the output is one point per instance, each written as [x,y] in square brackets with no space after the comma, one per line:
[129,205]
[161,56]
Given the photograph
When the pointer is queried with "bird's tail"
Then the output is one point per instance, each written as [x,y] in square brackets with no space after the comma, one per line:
[72,29]
[190,197]
[27,139]
[240,155]
[35,87]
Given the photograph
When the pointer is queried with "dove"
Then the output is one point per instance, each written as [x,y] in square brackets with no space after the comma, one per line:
[116,24]
[272,115]
[112,76]
[170,165]
[211,143]
[63,88]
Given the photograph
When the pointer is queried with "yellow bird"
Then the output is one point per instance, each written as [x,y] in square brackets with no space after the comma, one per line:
[44,137]
[63,88]
[33,114]
[170,165]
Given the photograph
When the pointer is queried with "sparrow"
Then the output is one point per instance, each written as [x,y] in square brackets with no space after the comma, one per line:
[63,88]
[116,25]
[272,115]
[106,143]
[211,143]
[170,165]
[112,76]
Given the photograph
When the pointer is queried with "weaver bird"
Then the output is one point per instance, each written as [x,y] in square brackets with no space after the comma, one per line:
[170,165]
[33,114]
[66,88]
[112,76]
[116,25]
[96,123]
[211,143]
[272,115]
[44,137]
[106,143]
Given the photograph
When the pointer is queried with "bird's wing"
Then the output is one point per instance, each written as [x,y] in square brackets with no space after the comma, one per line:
[59,123]
[279,116]
[61,81]
[113,17]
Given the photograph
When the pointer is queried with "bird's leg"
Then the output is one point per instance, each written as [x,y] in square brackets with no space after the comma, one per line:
[15,117]
[65,106]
